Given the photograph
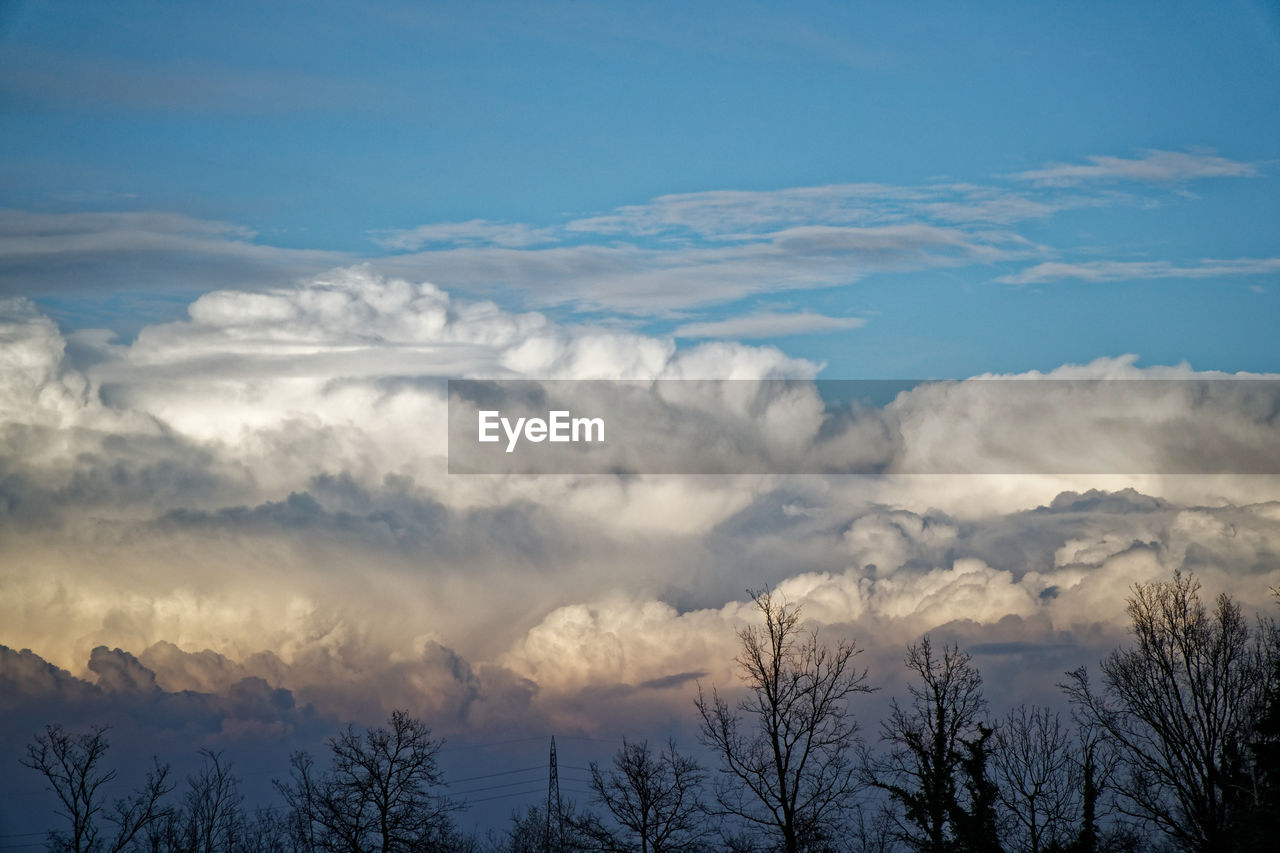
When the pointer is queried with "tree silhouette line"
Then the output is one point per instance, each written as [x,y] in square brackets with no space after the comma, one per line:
[1175,747]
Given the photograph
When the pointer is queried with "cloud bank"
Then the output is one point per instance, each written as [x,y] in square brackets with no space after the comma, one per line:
[251,505]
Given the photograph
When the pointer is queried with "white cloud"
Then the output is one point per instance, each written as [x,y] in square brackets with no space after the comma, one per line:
[42,251]
[720,213]
[473,231]
[645,281]
[740,214]
[1104,271]
[671,253]
[768,324]
[25,235]
[265,481]
[1152,166]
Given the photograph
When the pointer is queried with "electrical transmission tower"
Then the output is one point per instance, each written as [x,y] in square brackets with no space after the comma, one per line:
[555,827]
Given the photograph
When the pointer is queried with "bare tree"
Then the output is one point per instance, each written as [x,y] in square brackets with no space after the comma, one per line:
[210,818]
[1179,706]
[376,797]
[1039,778]
[213,815]
[1261,825]
[786,751]
[528,832]
[267,831]
[72,765]
[872,830]
[655,797]
[924,765]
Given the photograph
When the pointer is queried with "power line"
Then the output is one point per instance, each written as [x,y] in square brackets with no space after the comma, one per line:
[499,773]
[504,796]
[494,787]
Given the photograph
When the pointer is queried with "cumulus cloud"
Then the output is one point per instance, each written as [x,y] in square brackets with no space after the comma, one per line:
[1107,417]
[274,439]
[254,500]
[1059,573]
[119,688]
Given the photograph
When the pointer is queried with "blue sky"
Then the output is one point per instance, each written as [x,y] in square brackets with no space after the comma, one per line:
[323,128]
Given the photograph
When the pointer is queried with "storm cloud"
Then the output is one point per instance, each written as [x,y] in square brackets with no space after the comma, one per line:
[247,514]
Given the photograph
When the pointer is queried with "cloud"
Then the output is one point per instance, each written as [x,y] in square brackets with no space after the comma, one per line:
[219,699]
[669,254]
[120,689]
[100,250]
[254,500]
[729,212]
[790,240]
[265,443]
[739,214]
[1050,576]
[768,324]
[644,280]
[1105,271]
[1153,166]
[473,231]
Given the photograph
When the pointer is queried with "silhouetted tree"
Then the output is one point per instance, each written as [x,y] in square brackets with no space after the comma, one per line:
[655,797]
[787,750]
[376,797]
[210,818]
[72,765]
[926,741]
[528,832]
[213,815]
[1179,706]
[267,831]
[1039,777]
[872,830]
[1261,823]
[976,821]
[1095,760]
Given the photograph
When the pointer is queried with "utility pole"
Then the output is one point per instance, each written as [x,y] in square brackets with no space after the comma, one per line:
[553,803]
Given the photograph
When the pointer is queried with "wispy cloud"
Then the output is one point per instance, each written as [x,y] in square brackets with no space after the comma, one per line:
[768,324]
[737,214]
[638,280]
[672,253]
[44,251]
[1103,271]
[1153,166]
[471,232]
[720,213]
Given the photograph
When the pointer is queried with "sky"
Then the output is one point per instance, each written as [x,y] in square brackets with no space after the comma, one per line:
[242,246]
